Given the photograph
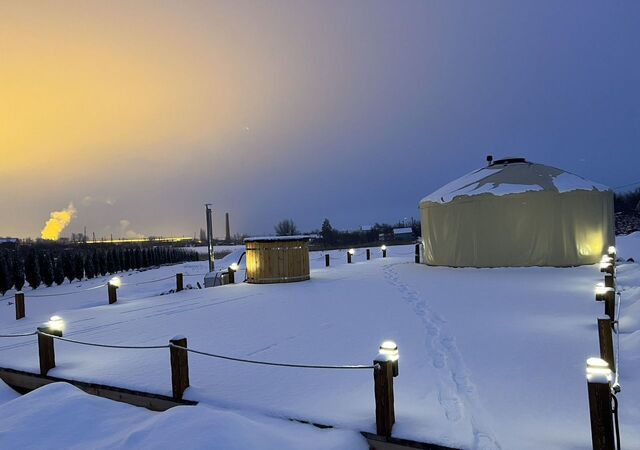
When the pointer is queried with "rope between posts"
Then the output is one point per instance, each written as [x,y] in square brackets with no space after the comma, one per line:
[268,363]
[33,333]
[148,281]
[194,274]
[65,293]
[93,344]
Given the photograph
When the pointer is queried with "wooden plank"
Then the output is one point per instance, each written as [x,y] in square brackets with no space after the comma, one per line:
[377,442]
[24,382]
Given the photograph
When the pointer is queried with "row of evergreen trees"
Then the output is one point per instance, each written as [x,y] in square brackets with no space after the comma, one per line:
[41,266]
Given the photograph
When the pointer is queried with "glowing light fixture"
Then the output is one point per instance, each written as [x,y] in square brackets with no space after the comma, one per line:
[383,248]
[389,349]
[234,267]
[598,370]
[352,251]
[56,323]
[115,282]
[606,267]
[611,251]
[602,291]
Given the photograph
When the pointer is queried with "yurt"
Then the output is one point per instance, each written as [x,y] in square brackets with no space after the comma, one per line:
[517,213]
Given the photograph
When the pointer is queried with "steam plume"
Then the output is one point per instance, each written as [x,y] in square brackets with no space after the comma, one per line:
[58,222]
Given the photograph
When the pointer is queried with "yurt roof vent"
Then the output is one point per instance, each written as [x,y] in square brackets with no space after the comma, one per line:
[505,161]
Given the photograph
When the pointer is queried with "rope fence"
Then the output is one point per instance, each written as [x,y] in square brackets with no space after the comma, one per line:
[68,293]
[18,335]
[384,368]
[276,364]
[94,344]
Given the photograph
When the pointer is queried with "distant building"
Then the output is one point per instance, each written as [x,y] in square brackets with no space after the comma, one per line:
[403,234]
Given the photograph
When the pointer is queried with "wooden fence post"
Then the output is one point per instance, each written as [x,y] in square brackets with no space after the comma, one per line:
[417,254]
[368,254]
[599,389]
[349,254]
[179,366]
[179,282]
[610,306]
[113,295]
[46,351]
[19,300]
[326,260]
[606,342]
[383,388]
[609,281]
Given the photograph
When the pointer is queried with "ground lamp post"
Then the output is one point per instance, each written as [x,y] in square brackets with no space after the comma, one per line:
[608,296]
[46,354]
[384,250]
[598,384]
[417,254]
[612,253]
[179,282]
[368,254]
[233,268]
[385,369]
[112,286]
[350,253]
[19,301]
[606,264]
[326,260]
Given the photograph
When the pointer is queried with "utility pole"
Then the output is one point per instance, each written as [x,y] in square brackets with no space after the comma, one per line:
[210,236]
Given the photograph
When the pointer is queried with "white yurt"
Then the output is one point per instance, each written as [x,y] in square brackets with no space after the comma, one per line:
[517,213]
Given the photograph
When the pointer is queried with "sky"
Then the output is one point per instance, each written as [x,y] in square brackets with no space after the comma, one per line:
[138,113]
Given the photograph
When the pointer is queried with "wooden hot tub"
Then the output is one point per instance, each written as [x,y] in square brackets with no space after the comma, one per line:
[277,259]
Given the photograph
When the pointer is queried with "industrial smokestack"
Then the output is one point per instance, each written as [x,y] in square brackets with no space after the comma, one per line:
[227,236]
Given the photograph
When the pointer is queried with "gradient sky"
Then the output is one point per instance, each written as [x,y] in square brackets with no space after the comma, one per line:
[140,112]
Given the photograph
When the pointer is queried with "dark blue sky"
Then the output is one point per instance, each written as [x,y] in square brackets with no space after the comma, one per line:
[356,110]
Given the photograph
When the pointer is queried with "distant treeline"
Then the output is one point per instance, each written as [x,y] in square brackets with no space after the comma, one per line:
[380,232]
[42,265]
[627,201]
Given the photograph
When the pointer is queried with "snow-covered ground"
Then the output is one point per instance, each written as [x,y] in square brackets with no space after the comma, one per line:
[489,358]
[67,418]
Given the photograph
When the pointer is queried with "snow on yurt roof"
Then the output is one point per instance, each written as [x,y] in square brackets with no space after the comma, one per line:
[512,176]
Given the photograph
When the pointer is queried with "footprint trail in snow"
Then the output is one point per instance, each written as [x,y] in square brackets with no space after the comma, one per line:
[456,393]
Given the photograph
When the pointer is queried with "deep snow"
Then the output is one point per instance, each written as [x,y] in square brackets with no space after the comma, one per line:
[67,418]
[488,357]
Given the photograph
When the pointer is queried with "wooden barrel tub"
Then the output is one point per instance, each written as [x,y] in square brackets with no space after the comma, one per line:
[277,259]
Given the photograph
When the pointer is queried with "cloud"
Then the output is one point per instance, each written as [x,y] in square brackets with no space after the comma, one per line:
[127,232]
[89,200]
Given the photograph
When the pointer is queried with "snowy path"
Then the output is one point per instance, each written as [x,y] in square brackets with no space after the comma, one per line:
[456,393]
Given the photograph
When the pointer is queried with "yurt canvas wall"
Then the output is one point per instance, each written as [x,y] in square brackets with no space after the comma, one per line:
[519,214]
